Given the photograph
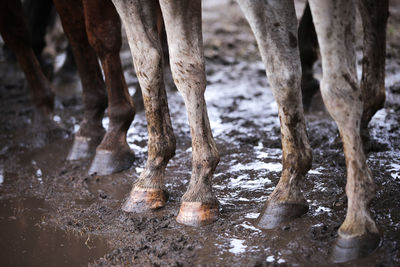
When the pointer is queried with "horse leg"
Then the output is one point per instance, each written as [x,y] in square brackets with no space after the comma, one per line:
[15,34]
[39,14]
[334,23]
[103,27]
[91,130]
[138,17]
[275,28]
[308,45]
[67,75]
[374,16]
[184,34]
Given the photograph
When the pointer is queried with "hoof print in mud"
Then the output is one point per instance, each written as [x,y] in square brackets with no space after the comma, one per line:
[347,249]
[197,213]
[145,199]
[274,215]
[108,162]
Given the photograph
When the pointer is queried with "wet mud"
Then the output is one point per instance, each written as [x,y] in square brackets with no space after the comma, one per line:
[24,233]
[53,213]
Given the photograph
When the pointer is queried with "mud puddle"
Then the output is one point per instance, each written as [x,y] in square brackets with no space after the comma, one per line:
[27,241]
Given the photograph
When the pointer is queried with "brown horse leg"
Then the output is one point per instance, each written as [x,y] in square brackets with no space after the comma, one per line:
[17,37]
[39,15]
[94,94]
[149,191]
[308,46]
[374,16]
[104,32]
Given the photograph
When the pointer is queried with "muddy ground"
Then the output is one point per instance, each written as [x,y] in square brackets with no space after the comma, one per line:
[53,213]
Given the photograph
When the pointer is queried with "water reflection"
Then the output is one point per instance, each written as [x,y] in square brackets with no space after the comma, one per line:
[27,241]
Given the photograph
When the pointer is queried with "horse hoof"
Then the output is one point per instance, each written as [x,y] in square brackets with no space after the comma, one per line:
[82,147]
[347,249]
[197,213]
[273,215]
[107,162]
[144,199]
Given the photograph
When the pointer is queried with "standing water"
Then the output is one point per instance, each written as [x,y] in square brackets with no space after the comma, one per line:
[27,241]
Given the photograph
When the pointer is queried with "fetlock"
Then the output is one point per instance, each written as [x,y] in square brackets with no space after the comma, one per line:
[152,176]
[357,223]
[91,129]
[200,192]
[121,115]
[288,190]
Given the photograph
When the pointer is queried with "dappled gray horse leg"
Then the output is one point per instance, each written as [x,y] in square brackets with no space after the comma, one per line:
[334,23]
[139,18]
[183,26]
[275,27]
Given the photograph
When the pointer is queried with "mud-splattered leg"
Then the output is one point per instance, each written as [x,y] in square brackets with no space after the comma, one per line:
[182,20]
[374,16]
[138,17]
[275,27]
[103,27]
[334,23]
[15,34]
[91,130]
[308,45]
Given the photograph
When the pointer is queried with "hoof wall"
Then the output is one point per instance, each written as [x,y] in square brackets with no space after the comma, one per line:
[197,214]
[273,215]
[107,162]
[83,147]
[347,249]
[144,199]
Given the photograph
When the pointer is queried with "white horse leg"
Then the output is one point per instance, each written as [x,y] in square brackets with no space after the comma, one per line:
[275,27]
[139,17]
[334,22]
[183,26]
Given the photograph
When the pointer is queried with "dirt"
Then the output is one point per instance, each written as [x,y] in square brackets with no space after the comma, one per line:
[38,244]
[75,219]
